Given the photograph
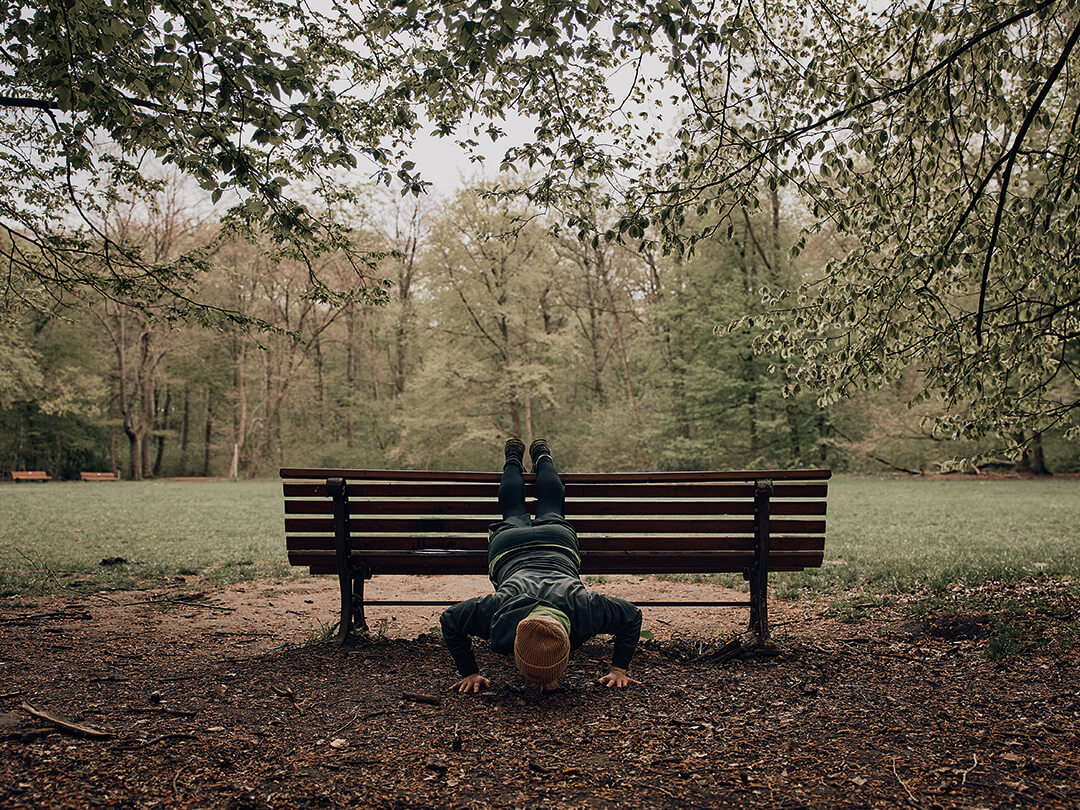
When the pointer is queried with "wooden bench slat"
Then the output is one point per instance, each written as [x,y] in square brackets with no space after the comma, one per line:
[596,563]
[331,569]
[567,478]
[576,509]
[608,525]
[581,489]
[586,543]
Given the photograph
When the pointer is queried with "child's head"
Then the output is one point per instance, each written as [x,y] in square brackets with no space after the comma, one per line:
[541,650]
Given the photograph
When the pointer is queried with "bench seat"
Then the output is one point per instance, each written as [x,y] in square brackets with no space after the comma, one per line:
[30,475]
[358,523]
[99,476]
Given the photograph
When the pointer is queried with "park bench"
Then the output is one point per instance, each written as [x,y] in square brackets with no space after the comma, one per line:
[357,523]
[30,475]
[99,476]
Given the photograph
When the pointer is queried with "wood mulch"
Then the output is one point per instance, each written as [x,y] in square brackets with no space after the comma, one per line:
[169,701]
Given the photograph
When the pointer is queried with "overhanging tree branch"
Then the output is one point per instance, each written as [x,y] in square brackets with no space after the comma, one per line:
[1055,72]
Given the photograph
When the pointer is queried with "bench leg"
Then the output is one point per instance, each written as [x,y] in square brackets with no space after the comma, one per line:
[359,620]
[345,622]
[759,605]
[352,606]
[759,574]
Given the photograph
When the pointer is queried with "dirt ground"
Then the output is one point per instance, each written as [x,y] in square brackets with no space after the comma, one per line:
[221,700]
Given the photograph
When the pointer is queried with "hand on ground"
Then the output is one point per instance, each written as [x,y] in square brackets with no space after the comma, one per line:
[471,683]
[618,678]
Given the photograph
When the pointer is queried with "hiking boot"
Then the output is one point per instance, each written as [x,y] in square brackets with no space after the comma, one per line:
[537,450]
[514,449]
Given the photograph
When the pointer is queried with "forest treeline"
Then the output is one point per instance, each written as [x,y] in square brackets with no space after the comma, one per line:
[483,320]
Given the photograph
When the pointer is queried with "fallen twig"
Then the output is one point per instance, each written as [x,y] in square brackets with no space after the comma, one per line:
[172,735]
[193,603]
[903,784]
[26,618]
[418,697]
[975,765]
[64,724]
[56,579]
[175,735]
[176,790]
[358,717]
[238,632]
[161,710]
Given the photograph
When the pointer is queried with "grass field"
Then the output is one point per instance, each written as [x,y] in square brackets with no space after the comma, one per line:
[58,533]
[889,536]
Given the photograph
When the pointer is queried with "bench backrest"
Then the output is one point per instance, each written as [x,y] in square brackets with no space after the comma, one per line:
[30,475]
[409,522]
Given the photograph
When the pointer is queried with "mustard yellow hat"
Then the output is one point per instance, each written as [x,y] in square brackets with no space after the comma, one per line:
[541,649]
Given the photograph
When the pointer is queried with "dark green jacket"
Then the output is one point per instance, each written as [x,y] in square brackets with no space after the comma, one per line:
[544,581]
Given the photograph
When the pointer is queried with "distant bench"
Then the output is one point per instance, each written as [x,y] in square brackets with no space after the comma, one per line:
[30,475]
[99,476]
[357,523]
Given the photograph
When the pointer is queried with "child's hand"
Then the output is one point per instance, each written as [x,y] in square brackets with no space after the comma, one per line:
[471,683]
[618,678]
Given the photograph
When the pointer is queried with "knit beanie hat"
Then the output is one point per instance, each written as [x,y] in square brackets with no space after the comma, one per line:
[541,649]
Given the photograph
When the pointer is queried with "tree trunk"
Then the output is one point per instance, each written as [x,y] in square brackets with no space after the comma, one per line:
[374,354]
[209,432]
[186,423]
[1031,459]
[163,429]
[134,455]
[350,373]
[620,343]
[792,414]
[1038,460]
[515,418]
[320,394]
[147,367]
[401,338]
[240,409]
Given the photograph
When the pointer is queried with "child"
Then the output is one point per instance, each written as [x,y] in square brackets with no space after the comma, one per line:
[540,611]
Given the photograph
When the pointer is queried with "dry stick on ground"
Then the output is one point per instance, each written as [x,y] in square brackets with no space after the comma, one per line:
[417,697]
[26,618]
[192,603]
[64,724]
[357,717]
[176,790]
[975,764]
[56,579]
[161,710]
[903,784]
[175,735]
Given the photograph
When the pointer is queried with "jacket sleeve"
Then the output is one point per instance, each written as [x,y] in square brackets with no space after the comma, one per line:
[469,618]
[622,620]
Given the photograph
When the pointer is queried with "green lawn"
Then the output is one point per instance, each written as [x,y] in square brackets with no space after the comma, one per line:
[899,536]
[60,532]
[891,536]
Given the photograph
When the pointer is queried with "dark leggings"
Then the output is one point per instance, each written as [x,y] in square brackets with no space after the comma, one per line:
[550,492]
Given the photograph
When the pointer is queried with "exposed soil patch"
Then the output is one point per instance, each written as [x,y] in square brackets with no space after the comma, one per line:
[211,705]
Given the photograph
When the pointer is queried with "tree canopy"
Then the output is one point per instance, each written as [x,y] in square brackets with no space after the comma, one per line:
[937,140]
[102,99]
